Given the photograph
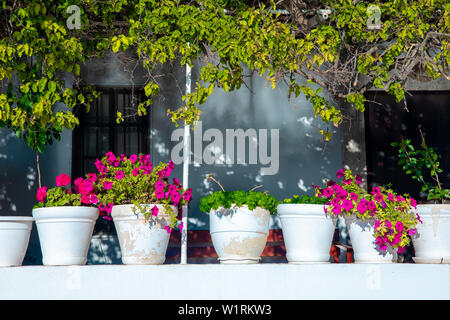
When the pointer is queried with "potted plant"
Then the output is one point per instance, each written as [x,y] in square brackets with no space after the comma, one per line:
[379,223]
[432,242]
[307,229]
[239,223]
[143,204]
[65,216]
[14,237]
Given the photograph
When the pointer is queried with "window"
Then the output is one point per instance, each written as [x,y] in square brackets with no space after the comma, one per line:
[98,133]
[388,121]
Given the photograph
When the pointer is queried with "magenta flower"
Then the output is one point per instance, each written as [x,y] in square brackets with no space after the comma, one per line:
[358,179]
[353,196]
[119,175]
[92,177]
[340,173]
[93,199]
[181,227]
[347,181]
[399,226]
[155,211]
[378,197]
[41,194]
[167,229]
[85,187]
[327,192]
[107,185]
[133,158]
[63,180]
[347,205]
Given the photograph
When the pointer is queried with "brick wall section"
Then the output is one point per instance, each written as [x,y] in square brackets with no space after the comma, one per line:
[201,250]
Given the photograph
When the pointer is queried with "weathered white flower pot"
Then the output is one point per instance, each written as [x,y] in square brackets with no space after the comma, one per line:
[363,242]
[239,235]
[65,233]
[14,237]
[307,232]
[432,239]
[142,241]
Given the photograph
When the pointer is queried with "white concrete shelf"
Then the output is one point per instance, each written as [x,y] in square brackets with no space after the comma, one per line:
[224,282]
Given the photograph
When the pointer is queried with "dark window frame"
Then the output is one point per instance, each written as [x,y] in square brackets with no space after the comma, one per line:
[142,123]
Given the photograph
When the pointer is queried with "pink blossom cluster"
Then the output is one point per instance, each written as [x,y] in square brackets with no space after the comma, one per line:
[128,171]
[349,198]
[83,187]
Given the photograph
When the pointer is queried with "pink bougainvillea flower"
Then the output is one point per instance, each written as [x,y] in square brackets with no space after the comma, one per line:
[358,179]
[176,182]
[93,199]
[167,229]
[340,173]
[85,199]
[411,232]
[119,175]
[159,195]
[155,211]
[391,197]
[401,250]
[135,172]
[85,187]
[133,158]
[353,196]
[41,194]
[63,180]
[181,227]
[418,218]
[413,203]
[327,192]
[347,181]
[187,195]
[92,177]
[107,185]
[399,226]
[347,205]
[378,197]
[375,190]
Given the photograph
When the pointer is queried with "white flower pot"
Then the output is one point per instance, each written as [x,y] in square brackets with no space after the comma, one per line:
[65,233]
[142,241]
[14,237]
[307,232]
[432,239]
[363,242]
[239,235]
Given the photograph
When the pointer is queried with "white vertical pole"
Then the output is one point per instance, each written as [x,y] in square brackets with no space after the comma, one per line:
[186,160]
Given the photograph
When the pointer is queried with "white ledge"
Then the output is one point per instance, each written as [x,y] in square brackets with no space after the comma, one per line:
[224,282]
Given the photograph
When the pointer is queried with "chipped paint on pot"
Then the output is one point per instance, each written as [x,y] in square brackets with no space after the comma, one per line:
[363,242]
[432,239]
[65,233]
[14,237]
[239,235]
[307,232]
[142,241]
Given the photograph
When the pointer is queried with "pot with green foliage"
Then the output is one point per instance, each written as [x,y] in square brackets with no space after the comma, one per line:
[432,241]
[307,229]
[65,217]
[143,204]
[379,223]
[239,224]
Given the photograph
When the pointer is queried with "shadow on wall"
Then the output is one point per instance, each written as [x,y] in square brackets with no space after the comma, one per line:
[282,149]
